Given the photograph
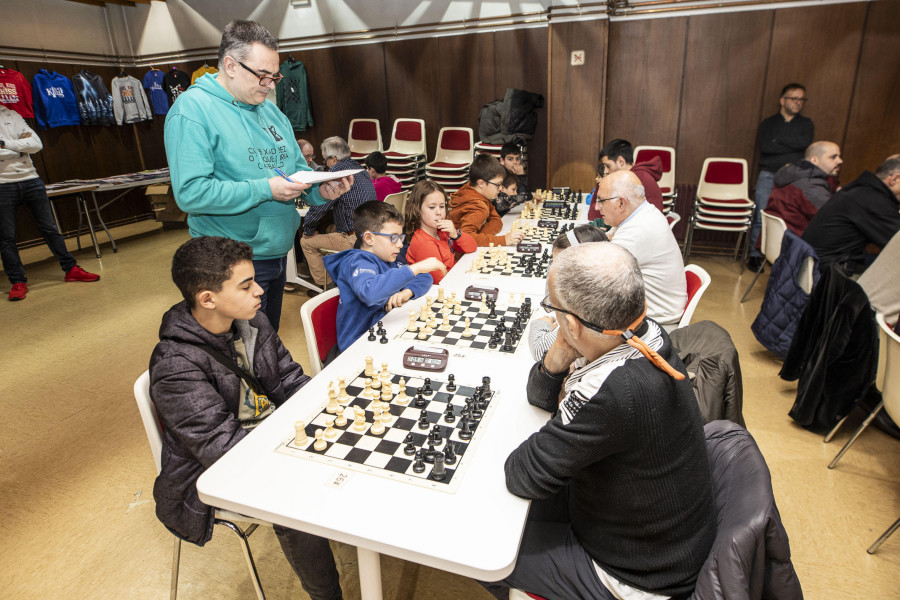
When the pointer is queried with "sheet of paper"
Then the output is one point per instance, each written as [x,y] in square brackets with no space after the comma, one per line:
[312,177]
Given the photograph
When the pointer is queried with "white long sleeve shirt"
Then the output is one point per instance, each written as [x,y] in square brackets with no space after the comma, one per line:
[646,234]
[15,159]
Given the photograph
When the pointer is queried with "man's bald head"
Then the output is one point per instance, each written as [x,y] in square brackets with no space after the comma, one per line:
[826,156]
[619,194]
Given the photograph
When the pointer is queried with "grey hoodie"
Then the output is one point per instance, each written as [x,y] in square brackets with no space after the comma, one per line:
[808,178]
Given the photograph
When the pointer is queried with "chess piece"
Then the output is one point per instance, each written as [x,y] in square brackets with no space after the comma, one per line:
[368,393]
[341,420]
[385,374]
[482,307]
[386,416]
[387,392]
[381,329]
[422,335]
[467,332]
[402,399]
[423,315]
[343,396]
[300,437]
[419,464]
[436,435]
[445,322]
[449,454]
[329,429]
[457,309]
[377,426]
[412,321]
[409,449]
[466,432]
[430,452]
[439,473]
[453,297]
[427,390]
[371,336]
[428,328]
[423,420]
[440,297]
[370,366]
[485,385]
[420,401]
[449,417]
[359,420]
[332,406]
[451,383]
[383,339]
[320,443]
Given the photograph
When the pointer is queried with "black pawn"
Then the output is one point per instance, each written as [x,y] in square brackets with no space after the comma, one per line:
[371,337]
[419,465]
[449,454]
[427,389]
[423,420]
[449,417]
[429,454]
[466,432]
[451,383]
[409,449]
[384,338]
[436,435]
[438,473]
[420,402]
[409,438]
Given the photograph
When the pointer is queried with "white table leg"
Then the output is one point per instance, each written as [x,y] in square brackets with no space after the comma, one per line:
[369,574]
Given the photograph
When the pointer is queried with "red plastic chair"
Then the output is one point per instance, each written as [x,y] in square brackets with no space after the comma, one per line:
[319,318]
[697,282]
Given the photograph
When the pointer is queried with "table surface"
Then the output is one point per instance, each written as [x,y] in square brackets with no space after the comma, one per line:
[115,182]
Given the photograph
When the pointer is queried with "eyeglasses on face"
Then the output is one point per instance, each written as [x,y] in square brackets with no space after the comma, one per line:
[799,99]
[264,80]
[545,304]
[602,200]
[499,185]
[394,237]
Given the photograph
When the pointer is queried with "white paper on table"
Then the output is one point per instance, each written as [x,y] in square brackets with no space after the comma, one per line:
[312,177]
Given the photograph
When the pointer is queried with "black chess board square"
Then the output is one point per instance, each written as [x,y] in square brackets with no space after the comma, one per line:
[357,455]
[398,465]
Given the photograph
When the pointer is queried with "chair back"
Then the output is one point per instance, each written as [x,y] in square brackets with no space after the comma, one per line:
[772,234]
[364,136]
[673,218]
[890,385]
[455,146]
[149,416]
[319,318]
[667,155]
[697,282]
[397,200]
[408,137]
[724,179]
[806,274]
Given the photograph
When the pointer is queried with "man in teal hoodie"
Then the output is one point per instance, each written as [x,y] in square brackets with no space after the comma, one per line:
[224,143]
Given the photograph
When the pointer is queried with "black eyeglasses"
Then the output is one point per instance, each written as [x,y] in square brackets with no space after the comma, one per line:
[499,185]
[795,99]
[394,237]
[545,304]
[264,80]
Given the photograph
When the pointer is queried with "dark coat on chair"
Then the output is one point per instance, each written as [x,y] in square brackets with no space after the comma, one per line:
[751,556]
[784,300]
[834,353]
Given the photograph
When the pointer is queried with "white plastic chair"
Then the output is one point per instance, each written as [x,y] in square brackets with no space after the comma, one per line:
[673,219]
[697,282]
[153,428]
[770,237]
[364,137]
[397,200]
[319,318]
[455,150]
[407,140]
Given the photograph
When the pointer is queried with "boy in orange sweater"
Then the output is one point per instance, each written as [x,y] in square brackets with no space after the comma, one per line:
[471,209]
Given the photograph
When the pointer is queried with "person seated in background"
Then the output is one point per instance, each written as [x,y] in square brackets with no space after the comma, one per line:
[619,479]
[385,185]
[645,233]
[803,187]
[508,196]
[337,158]
[206,408]
[511,159]
[309,153]
[859,219]
[431,232]
[471,209]
[371,283]
[618,155]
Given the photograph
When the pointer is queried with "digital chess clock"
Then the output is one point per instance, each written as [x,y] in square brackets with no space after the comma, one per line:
[530,247]
[473,292]
[548,223]
[422,358]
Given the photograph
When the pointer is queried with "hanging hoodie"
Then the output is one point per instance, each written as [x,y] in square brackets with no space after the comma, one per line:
[54,100]
[175,83]
[201,72]
[129,101]
[292,95]
[153,82]
[15,93]
[94,101]
[221,154]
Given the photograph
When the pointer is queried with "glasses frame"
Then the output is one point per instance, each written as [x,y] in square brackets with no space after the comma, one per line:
[394,237]
[499,185]
[545,304]
[272,78]
[602,200]
[793,99]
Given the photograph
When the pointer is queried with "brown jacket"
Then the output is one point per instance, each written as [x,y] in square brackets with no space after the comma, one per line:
[474,214]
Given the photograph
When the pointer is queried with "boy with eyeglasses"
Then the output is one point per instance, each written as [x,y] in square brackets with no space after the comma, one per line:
[371,283]
[471,208]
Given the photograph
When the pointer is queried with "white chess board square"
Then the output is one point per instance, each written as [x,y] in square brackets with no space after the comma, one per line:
[338,450]
[368,442]
[376,459]
[395,435]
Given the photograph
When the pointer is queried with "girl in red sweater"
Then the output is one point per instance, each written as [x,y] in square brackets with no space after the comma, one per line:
[432,233]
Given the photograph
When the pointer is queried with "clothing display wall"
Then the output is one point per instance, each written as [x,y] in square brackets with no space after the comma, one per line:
[15,92]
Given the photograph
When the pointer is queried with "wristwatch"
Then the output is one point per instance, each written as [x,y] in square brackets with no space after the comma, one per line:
[458,235]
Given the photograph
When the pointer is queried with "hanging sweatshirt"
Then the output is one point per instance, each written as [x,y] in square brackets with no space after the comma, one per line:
[15,93]
[15,159]
[153,82]
[221,154]
[130,103]
[175,83]
[201,72]
[95,103]
[366,284]
[292,95]
[54,100]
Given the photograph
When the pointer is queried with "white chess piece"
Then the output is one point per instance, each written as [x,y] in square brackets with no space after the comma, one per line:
[370,367]
[359,420]
[440,297]
[320,444]
[412,320]
[402,399]
[368,393]
[300,437]
[341,420]
[343,396]
[330,432]
[467,332]
[332,405]
[377,426]
[422,335]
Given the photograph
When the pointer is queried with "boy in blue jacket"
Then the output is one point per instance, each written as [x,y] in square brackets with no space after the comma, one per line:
[371,283]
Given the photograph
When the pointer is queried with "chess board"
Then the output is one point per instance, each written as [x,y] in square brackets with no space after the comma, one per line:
[384,455]
[560,211]
[481,325]
[547,235]
[518,266]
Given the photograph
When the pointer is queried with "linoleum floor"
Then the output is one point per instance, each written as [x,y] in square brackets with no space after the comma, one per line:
[76,474]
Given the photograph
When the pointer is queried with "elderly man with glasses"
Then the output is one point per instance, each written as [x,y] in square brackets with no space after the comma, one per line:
[782,139]
[225,147]
[619,478]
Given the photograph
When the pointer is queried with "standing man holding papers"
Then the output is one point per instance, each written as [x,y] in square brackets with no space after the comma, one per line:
[223,144]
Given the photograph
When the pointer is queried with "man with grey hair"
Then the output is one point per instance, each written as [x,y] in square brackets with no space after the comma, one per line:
[859,220]
[336,153]
[225,146]
[619,476]
[647,235]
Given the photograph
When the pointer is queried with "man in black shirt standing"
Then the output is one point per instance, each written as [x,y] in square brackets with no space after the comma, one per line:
[782,139]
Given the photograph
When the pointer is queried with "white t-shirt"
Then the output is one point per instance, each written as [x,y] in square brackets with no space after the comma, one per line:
[15,162]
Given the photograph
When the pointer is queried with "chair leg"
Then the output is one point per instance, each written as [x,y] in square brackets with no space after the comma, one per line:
[871,549]
[176,564]
[245,546]
[834,430]
[689,238]
[750,287]
[862,428]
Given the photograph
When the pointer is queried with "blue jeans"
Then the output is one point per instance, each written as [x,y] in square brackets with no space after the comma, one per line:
[764,184]
[33,195]
[271,277]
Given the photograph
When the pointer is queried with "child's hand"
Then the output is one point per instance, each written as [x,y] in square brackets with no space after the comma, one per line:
[428,265]
[514,237]
[447,226]
[398,300]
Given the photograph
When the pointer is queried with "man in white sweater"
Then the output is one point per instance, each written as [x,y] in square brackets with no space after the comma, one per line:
[644,231]
[21,186]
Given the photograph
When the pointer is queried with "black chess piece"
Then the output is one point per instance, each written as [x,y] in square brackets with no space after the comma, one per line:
[419,465]
[477,411]
[493,313]
[451,383]
[409,438]
[436,435]
[492,343]
[427,389]
[420,402]
[466,432]
[371,336]
[449,454]
[501,326]
[423,420]
[409,449]
[449,417]
[430,452]
[384,338]
[485,385]
[507,343]
[439,473]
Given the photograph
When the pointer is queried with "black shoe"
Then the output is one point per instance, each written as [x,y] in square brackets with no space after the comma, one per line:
[312,293]
[755,262]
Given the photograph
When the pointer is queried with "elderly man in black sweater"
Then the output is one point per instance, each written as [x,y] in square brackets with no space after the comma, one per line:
[623,504]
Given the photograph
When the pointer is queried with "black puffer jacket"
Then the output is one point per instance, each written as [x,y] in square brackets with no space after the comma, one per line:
[197,401]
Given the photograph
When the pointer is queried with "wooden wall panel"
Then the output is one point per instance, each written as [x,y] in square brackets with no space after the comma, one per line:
[643,90]
[520,62]
[576,102]
[873,131]
[724,72]
[364,93]
[818,47]
[413,83]
[324,96]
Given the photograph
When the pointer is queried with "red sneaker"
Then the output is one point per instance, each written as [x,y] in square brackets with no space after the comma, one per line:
[18,291]
[76,273]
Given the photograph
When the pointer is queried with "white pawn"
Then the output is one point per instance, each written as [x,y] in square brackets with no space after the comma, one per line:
[385,374]
[467,332]
[412,320]
[445,323]
[330,432]
[482,307]
[368,393]
[386,416]
[343,396]
[320,444]
[341,420]
[457,309]
[300,437]
[402,398]
[377,426]
[422,335]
